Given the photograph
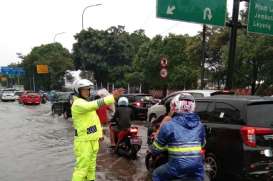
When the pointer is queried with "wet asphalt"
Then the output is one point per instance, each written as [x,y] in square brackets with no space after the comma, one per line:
[37,146]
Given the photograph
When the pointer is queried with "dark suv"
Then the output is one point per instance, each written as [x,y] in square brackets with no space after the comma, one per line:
[140,104]
[239,136]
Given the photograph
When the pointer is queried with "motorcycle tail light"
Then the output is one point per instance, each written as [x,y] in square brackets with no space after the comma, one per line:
[134,130]
[203,152]
[137,104]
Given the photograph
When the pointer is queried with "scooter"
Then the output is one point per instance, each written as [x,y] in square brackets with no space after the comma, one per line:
[152,162]
[129,143]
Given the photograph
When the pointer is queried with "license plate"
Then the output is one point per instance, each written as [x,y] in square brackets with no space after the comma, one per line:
[268,137]
[135,141]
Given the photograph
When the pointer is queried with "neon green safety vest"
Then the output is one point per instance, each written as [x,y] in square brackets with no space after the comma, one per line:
[85,119]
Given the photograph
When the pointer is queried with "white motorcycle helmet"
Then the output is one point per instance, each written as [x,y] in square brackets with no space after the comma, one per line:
[82,83]
[123,101]
[183,103]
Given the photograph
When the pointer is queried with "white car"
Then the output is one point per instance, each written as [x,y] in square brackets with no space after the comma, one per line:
[8,96]
[160,108]
[18,94]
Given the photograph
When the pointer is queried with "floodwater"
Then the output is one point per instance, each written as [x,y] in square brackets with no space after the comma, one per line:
[36,146]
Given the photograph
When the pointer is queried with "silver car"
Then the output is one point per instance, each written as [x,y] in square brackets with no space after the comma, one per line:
[8,96]
[160,108]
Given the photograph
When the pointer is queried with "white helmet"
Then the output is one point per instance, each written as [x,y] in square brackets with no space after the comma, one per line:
[82,83]
[183,103]
[123,101]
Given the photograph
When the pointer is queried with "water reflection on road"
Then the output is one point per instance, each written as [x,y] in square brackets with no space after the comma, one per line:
[34,145]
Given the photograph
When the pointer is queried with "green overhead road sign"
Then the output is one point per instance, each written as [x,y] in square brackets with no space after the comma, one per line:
[212,12]
[260,17]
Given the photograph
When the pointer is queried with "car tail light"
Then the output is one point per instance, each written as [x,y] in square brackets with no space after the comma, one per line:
[134,130]
[137,104]
[249,134]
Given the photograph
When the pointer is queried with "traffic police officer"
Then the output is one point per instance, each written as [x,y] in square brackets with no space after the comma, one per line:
[88,129]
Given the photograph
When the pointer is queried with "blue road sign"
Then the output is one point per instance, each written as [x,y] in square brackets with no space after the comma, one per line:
[12,71]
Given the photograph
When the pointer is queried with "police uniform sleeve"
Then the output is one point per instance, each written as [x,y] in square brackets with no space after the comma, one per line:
[85,106]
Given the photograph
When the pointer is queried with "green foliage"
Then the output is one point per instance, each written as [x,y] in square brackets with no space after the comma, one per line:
[109,54]
[254,61]
[58,60]
[116,56]
[173,47]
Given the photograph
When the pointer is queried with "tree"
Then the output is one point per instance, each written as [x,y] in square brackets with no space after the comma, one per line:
[109,54]
[254,61]
[58,60]
[173,47]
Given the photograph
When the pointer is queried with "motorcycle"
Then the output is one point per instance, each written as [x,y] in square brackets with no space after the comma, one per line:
[152,162]
[129,143]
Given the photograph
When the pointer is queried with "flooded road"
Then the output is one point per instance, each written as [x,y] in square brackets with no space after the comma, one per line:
[35,146]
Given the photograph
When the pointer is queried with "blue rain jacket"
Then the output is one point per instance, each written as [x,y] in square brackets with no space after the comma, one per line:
[183,138]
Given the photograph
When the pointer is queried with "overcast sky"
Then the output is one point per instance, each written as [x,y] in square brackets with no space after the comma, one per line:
[29,23]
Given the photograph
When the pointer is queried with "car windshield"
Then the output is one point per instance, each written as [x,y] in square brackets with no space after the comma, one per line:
[260,115]
[18,93]
[8,92]
[63,96]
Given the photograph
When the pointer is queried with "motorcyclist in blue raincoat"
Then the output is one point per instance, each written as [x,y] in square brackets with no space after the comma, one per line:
[183,138]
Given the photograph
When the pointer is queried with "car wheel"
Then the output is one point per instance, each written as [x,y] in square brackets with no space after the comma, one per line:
[212,167]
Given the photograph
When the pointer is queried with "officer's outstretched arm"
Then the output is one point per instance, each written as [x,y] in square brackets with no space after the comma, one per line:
[83,106]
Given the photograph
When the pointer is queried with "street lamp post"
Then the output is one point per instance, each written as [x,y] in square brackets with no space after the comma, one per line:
[54,39]
[85,10]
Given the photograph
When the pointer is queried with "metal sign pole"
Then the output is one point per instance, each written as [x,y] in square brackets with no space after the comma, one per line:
[33,79]
[232,44]
[204,57]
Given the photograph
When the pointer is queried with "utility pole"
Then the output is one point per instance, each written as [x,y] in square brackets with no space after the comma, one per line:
[33,79]
[203,57]
[232,44]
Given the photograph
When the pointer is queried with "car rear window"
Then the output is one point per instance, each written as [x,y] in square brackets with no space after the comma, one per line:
[260,114]
[144,98]
[32,94]
[197,95]
[222,93]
